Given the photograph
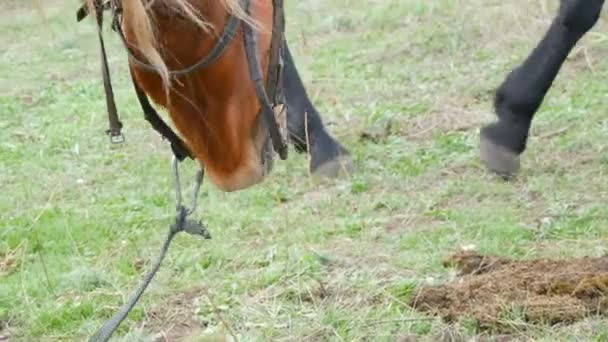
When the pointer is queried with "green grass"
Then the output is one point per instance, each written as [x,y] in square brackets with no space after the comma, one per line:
[292,259]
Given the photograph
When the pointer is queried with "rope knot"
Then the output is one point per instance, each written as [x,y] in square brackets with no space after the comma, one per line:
[192,227]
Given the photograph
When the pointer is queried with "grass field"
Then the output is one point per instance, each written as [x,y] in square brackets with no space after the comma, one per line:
[294,259]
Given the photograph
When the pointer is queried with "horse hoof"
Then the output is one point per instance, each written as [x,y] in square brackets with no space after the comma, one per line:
[341,165]
[499,159]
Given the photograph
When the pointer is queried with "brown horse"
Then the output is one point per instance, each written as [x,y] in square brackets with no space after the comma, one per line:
[215,109]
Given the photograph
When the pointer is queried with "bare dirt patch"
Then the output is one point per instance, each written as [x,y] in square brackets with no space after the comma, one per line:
[10,261]
[496,292]
[174,318]
[7,264]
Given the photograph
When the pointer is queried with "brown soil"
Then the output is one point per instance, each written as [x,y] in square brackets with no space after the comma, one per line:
[174,318]
[499,292]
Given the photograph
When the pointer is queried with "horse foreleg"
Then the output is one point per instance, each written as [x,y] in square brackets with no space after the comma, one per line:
[522,92]
[307,133]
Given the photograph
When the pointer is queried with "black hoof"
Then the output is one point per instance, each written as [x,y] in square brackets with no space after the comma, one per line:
[340,166]
[499,159]
[330,160]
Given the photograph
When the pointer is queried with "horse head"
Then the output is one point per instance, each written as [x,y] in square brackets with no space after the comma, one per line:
[215,109]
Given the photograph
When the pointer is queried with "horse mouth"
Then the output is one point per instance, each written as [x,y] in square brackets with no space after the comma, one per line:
[255,169]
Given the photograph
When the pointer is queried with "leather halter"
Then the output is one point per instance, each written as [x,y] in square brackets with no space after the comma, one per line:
[216,52]
[269,96]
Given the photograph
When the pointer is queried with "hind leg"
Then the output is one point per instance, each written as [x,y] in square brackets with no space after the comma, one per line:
[307,132]
[522,92]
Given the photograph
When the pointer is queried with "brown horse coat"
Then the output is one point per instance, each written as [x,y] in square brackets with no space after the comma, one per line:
[215,109]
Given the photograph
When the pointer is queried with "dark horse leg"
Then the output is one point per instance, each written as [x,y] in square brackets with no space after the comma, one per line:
[306,130]
[523,91]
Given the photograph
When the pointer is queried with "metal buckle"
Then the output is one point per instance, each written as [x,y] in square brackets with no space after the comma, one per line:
[115,138]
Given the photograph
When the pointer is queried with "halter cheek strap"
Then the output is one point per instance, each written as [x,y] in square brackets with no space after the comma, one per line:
[255,72]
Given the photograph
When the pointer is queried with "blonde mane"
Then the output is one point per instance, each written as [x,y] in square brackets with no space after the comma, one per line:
[142,19]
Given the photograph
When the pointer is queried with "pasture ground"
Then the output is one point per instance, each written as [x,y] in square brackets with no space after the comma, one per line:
[405,84]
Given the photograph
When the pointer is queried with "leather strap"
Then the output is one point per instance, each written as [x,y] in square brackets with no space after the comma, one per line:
[115,130]
[216,52]
[275,65]
[180,149]
[255,72]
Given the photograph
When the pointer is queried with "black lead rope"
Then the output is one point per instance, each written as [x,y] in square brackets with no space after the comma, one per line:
[182,224]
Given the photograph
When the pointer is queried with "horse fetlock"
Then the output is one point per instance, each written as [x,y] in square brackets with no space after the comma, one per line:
[508,134]
[515,109]
[515,100]
[580,15]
